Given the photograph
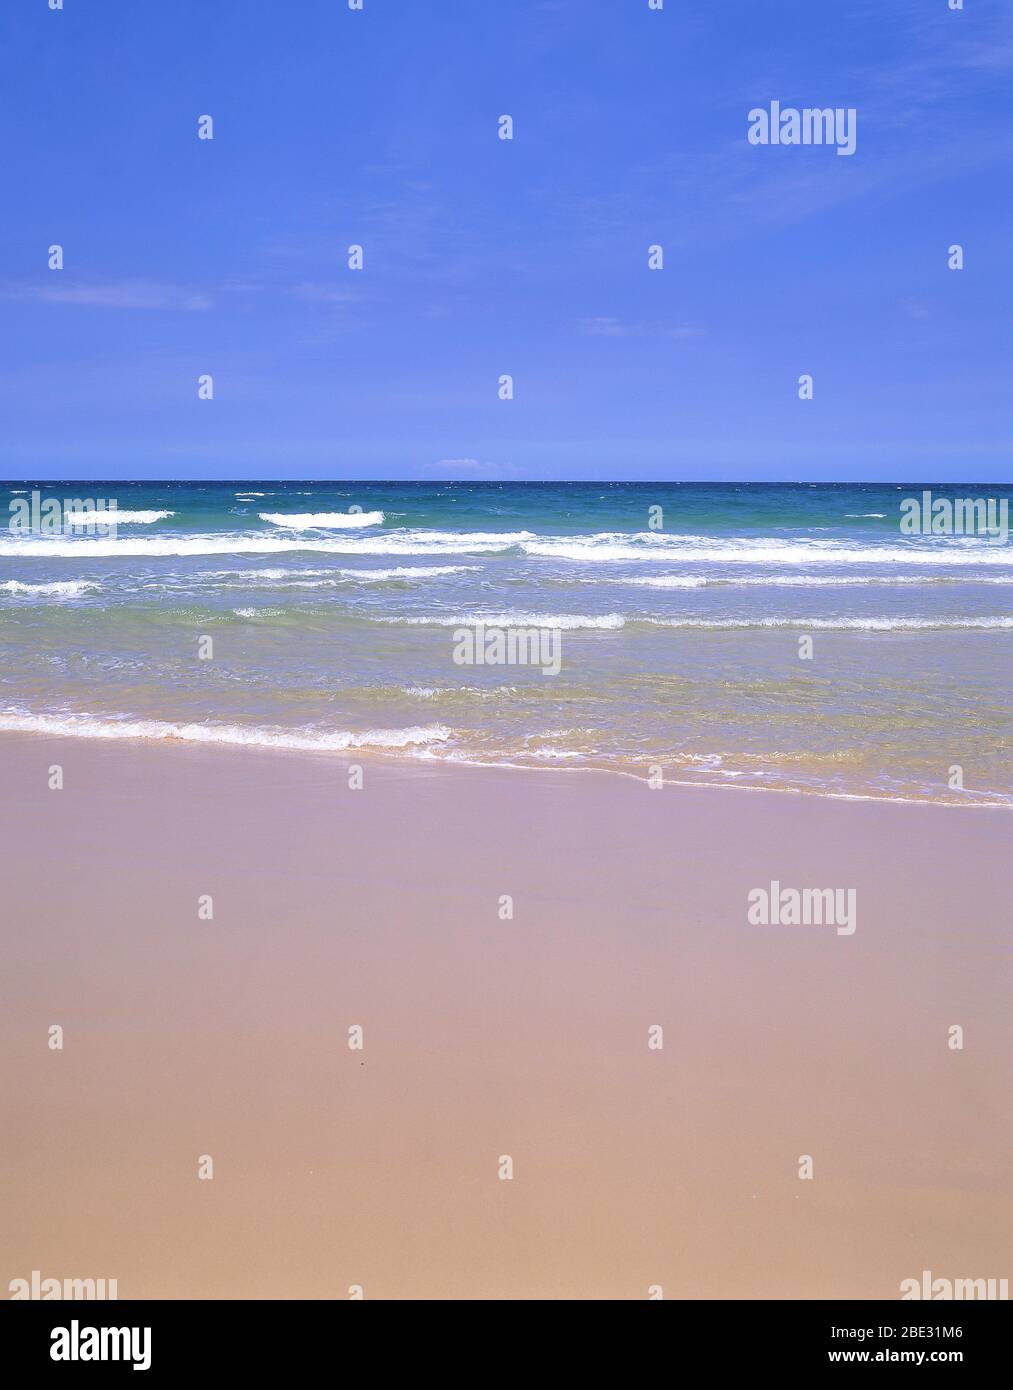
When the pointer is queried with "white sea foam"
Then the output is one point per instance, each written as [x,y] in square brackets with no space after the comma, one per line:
[791,581]
[654,581]
[68,588]
[612,547]
[266,575]
[395,544]
[568,621]
[872,624]
[611,621]
[301,521]
[108,516]
[603,548]
[406,572]
[437,692]
[83,726]
[320,579]
[832,581]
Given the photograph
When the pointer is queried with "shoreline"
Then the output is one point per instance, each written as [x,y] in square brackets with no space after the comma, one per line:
[393,756]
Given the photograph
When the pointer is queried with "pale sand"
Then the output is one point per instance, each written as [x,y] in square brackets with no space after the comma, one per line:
[483,1037]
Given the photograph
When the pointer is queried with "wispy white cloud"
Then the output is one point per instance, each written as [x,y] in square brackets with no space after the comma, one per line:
[916,310]
[605,327]
[110,294]
[317,292]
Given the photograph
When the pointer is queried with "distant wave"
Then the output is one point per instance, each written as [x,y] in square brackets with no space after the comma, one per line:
[82,726]
[68,588]
[302,521]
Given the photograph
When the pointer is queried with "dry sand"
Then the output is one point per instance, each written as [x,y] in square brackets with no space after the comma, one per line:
[632,1167]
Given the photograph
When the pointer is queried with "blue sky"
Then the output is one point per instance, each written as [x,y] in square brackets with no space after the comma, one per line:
[485,256]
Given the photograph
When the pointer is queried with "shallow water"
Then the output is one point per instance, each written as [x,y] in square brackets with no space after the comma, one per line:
[678,646]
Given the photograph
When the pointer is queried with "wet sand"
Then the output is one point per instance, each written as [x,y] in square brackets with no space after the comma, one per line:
[485,1037]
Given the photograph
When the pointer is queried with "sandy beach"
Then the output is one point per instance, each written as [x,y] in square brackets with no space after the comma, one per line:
[380,908]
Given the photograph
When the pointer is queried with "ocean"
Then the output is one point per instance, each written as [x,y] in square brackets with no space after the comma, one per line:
[679,610]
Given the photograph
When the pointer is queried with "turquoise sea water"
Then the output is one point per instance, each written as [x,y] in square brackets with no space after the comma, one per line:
[679,645]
